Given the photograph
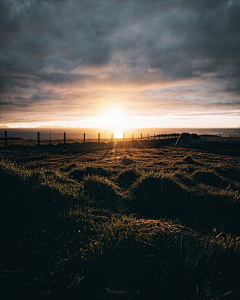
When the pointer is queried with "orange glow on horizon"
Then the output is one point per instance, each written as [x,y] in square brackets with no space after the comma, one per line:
[117,121]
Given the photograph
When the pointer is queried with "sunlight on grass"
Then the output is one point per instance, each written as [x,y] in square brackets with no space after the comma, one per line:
[145,222]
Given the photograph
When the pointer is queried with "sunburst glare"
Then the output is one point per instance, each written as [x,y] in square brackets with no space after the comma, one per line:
[115,120]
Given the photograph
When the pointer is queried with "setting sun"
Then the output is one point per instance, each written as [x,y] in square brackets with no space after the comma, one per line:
[115,120]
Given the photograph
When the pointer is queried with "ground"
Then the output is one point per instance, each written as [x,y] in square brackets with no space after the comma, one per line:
[133,220]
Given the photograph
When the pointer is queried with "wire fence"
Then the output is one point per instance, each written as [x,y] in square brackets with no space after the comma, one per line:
[43,138]
[31,137]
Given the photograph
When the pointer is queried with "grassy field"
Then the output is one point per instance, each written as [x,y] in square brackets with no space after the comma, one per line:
[133,220]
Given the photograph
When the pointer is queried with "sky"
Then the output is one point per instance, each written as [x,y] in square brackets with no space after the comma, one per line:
[89,63]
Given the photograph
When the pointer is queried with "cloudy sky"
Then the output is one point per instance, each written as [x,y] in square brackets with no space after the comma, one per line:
[163,63]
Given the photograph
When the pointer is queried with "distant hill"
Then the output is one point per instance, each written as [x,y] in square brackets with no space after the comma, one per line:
[49,127]
[4,126]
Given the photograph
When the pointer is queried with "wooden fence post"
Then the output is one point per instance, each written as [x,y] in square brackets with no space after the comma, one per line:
[148,136]
[5,138]
[64,138]
[84,136]
[141,136]
[98,137]
[132,136]
[111,137]
[154,137]
[38,137]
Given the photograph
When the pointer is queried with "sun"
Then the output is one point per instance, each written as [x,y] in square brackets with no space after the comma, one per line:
[115,120]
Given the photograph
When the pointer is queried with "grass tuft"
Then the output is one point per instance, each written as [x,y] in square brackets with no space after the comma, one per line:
[79,174]
[210,178]
[127,177]
[154,194]
[126,161]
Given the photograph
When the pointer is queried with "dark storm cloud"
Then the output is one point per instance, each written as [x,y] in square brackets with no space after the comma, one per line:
[59,77]
[60,34]
[143,41]
[3,103]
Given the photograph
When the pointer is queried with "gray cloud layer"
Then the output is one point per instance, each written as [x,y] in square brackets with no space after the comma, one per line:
[48,47]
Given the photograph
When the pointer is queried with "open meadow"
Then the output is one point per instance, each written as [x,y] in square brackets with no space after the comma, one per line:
[126,220]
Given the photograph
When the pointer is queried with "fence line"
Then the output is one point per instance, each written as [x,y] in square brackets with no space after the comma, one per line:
[5,138]
[38,138]
[41,138]
[98,139]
